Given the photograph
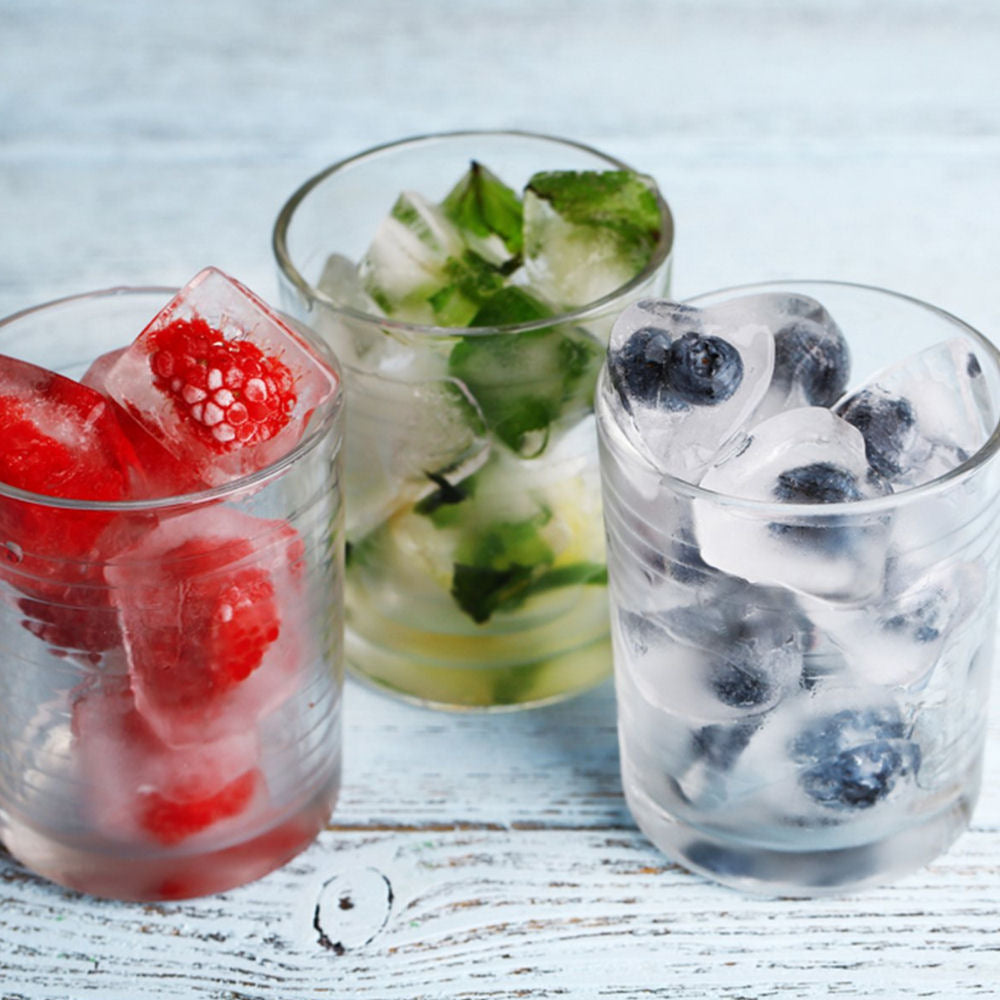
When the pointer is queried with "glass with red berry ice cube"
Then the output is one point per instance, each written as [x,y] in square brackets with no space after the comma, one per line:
[800,493]
[170,589]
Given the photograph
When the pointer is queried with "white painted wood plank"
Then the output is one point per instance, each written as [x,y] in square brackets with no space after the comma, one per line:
[501,914]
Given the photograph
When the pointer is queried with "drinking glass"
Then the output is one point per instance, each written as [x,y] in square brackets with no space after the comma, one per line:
[811,716]
[127,769]
[475,562]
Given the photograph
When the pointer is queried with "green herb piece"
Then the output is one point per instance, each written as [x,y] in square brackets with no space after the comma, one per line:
[524,381]
[586,233]
[481,204]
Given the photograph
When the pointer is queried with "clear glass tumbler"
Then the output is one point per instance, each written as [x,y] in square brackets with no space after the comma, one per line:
[129,767]
[475,567]
[810,717]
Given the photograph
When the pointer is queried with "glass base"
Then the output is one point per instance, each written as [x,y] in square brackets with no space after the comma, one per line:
[115,873]
[476,686]
[807,873]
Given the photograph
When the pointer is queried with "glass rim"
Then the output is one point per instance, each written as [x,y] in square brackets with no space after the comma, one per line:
[279,242]
[242,484]
[845,509]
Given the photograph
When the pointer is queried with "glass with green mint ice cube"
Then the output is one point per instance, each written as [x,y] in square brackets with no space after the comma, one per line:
[468,283]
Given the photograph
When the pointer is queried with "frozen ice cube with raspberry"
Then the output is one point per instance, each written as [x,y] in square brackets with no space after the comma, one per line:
[220,380]
[138,788]
[59,439]
[160,473]
[209,604]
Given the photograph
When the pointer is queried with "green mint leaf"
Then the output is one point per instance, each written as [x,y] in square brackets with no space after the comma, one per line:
[480,590]
[482,204]
[524,381]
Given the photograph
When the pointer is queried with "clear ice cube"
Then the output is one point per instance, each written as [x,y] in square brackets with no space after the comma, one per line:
[812,360]
[408,438]
[210,606]
[686,380]
[802,456]
[924,416]
[220,380]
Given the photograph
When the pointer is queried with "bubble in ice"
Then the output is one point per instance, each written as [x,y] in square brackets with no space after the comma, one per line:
[805,456]
[686,379]
[923,416]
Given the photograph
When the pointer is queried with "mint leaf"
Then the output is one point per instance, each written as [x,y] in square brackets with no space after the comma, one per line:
[524,381]
[482,204]
[480,590]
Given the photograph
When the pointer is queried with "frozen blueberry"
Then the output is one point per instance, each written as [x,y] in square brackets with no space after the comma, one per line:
[853,759]
[887,423]
[639,370]
[750,640]
[814,357]
[739,681]
[685,564]
[922,623]
[720,745]
[704,370]
[818,482]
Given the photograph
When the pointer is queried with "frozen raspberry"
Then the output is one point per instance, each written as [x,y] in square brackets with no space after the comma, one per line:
[227,391]
[219,380]
[208,603]
[141,789]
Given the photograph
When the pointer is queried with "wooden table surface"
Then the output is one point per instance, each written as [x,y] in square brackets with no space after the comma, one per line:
[482,856]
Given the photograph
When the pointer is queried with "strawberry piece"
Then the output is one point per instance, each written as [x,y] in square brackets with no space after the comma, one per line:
[138,788]
[220,381]
[208,602]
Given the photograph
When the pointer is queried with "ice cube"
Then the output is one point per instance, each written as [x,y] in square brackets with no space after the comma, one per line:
[736,653]
[219,380]
[158,472]
[587,233]
[924,416]
[811,357]
[686,380]
[138,788]
[210,607]
[59,439]
[525,381]
[802,456]
[897,638]
[409,438]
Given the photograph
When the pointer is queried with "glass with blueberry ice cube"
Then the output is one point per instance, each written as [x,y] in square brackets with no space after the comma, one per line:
[800,496]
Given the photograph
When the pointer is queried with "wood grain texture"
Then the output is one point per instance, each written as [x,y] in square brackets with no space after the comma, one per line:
[481,856]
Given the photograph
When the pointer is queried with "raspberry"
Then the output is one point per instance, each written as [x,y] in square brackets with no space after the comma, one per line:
[188,810]
[220,623]
[228,392]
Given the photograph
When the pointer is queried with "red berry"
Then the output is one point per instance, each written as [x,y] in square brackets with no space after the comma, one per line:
[228,392]
[189,810]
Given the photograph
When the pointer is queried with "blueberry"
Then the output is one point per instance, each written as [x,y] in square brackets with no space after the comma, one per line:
[886,423]
[739,681]
[922,623]
[813,357]
[750,640]
[720,745]
[720,861]
[854,758]
[640,368]
[685,564]
[818,482]
[704,370]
